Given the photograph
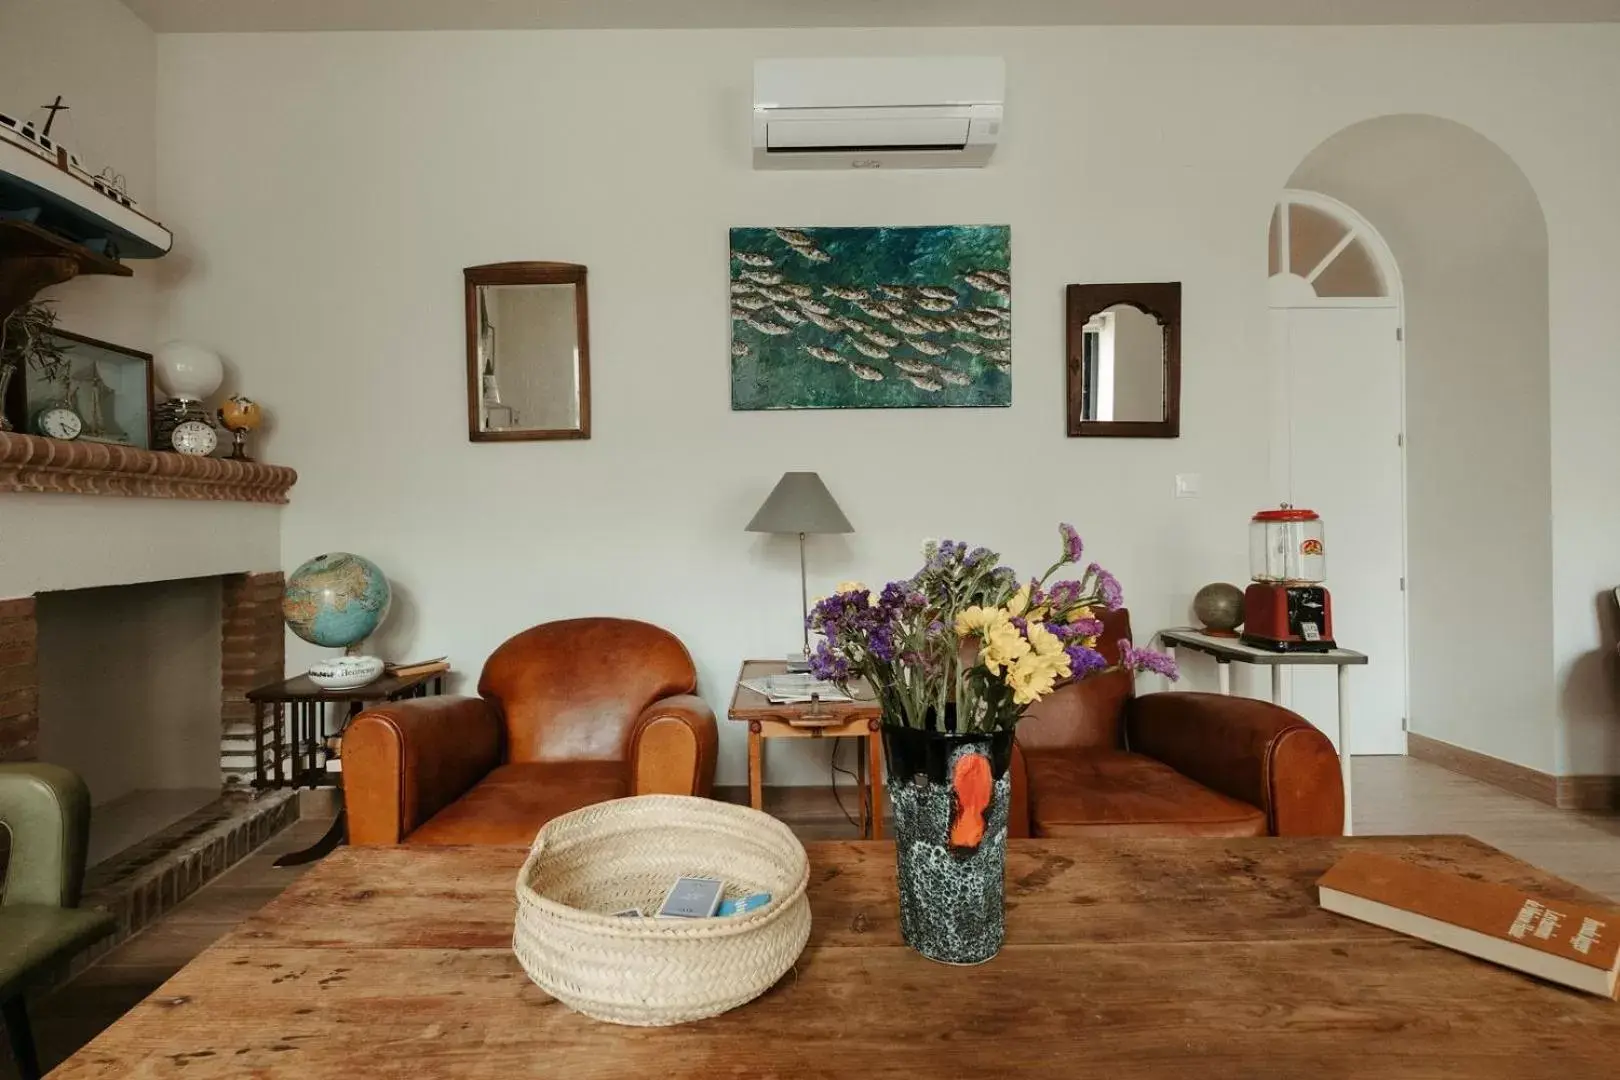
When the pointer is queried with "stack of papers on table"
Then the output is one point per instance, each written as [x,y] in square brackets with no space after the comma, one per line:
[795,689]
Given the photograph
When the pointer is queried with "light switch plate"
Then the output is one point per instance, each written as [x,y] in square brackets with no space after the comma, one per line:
[1187,485]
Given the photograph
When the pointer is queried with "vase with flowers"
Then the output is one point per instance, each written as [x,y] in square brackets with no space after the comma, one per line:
[956,654]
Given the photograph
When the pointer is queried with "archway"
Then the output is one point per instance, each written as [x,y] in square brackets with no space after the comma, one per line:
[1335,297]
[1465,228]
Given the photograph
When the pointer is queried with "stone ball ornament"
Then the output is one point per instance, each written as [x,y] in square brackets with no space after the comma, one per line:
[1219,607]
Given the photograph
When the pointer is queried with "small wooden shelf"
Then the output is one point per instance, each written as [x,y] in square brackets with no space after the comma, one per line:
[29,463]
[32,259]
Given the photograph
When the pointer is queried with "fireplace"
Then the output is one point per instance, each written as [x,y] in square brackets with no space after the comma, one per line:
[141,690]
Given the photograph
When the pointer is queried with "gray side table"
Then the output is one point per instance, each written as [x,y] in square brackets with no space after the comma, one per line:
[1227,651]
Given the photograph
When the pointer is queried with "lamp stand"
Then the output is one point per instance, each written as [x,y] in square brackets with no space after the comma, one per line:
[804,599]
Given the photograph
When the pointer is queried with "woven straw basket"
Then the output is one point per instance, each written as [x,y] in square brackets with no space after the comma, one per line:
[649,971]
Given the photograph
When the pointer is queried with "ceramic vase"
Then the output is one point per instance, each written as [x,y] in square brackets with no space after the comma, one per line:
[951,793]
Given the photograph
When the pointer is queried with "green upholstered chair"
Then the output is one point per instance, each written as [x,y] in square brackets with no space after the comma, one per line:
[47,811]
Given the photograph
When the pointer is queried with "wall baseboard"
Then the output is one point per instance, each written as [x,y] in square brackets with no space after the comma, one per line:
[1589,793]
[1563,792]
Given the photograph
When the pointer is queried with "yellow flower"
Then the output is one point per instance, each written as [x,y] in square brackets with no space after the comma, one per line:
[1034,676]
[973,620]
[849,586]
[1003,644]
[1042,640]
[1080,613]
[1019,601]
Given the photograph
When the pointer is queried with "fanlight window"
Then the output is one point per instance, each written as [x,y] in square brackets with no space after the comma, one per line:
[1317,254]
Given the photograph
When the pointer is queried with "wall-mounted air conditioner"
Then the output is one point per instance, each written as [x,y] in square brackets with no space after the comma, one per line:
[900,113]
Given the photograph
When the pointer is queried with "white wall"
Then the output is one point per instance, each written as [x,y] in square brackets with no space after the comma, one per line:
[1467,232]
[328,216]
[103,61]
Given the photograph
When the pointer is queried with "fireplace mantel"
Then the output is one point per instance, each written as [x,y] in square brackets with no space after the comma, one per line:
[29,463]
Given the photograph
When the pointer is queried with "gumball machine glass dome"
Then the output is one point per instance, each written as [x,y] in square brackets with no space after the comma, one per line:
[186,370]
[336,600]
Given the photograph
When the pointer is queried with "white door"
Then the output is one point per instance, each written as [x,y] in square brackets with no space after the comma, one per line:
[1342,378]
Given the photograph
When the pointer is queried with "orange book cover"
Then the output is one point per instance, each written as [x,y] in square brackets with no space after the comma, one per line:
[1576,944]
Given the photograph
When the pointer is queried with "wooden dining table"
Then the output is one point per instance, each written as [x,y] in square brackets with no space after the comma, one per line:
[1124,959]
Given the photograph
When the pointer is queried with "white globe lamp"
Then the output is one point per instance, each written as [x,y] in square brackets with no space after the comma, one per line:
[187,371]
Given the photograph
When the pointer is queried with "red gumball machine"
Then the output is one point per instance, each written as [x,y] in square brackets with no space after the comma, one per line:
[1286,608]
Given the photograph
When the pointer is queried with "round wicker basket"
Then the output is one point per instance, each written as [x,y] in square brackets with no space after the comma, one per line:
[648,971]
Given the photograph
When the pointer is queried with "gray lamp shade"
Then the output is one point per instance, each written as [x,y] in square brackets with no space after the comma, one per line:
[800,503]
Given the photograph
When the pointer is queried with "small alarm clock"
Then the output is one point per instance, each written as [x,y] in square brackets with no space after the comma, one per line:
[58,422]
[195,438]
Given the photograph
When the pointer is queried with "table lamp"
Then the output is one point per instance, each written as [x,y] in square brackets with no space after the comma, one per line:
[800,503]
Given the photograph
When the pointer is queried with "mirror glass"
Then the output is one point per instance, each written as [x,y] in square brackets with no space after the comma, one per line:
[529,360]
[1123,366]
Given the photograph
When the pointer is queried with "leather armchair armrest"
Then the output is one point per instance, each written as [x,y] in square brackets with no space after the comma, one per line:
[1018,826]
[672,748]
[46,808]
[405,761]
[1249,750]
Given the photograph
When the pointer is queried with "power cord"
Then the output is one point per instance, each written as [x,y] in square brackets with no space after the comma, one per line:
[832,781]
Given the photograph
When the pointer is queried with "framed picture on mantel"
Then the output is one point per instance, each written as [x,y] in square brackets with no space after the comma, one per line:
[108,386]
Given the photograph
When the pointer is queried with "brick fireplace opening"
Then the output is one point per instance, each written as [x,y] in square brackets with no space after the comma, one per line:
[141,689]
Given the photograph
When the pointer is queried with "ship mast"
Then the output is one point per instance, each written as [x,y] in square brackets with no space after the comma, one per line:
[53,108]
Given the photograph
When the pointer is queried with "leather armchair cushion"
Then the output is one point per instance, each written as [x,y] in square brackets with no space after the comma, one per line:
[510,804]
[1117,793]
[36,938]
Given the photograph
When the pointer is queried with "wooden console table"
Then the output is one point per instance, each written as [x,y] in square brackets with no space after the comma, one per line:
[817,720]
[1125,959]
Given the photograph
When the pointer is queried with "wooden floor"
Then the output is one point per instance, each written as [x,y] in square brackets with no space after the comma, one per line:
[1393,795]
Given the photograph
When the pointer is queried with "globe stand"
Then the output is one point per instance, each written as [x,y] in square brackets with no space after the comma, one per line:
[238,445]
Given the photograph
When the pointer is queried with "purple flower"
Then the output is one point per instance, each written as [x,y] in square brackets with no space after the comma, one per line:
[1087,627]
[881,642]
[826,664]
[1113,597]
[1072,547]
[977,556]
[1133,659]
[1064,594]
[1084,661]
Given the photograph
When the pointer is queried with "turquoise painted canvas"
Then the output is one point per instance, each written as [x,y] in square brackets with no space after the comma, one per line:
[871,318]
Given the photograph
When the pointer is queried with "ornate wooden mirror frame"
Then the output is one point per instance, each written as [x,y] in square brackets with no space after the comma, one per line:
[1162,300]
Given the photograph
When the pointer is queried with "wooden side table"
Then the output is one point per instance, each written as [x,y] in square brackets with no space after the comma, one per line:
[816,720]
[295,754]
[1226,650]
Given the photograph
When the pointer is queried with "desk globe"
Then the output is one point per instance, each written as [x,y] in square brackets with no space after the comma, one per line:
[239,416]
[338,600]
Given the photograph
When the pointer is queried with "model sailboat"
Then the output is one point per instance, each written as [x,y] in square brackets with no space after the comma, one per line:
[44,183]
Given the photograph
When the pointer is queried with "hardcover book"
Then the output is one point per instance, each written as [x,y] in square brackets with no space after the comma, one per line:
[1574,944]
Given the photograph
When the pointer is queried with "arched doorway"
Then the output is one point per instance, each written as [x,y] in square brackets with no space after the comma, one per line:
[1336,328]
[1466,226]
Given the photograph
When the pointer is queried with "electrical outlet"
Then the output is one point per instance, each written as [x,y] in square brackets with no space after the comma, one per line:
[1187,485]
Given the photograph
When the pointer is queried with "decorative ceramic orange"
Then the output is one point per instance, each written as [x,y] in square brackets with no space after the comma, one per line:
[971,782]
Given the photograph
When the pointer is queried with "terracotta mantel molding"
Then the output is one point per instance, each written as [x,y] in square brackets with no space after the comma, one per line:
[30,463]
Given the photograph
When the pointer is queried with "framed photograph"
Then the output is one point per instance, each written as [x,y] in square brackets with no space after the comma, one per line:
[109,387]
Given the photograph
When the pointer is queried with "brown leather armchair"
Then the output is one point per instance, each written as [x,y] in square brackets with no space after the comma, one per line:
[568,714]
[1092,759]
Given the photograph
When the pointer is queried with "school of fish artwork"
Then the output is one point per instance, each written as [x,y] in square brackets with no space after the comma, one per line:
[871,317]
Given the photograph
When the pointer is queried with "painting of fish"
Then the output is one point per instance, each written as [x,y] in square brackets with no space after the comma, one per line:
[867,317]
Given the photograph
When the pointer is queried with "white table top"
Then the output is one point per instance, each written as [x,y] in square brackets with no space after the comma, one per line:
[1225,648]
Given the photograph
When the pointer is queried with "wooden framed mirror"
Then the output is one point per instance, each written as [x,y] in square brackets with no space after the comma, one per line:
[528,352]
[1124,344]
